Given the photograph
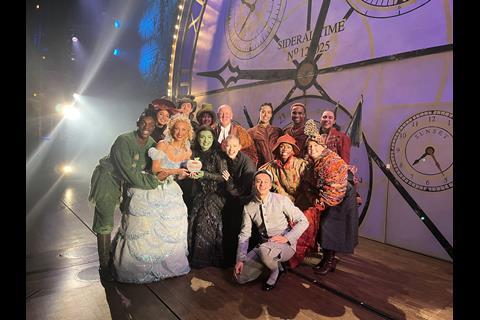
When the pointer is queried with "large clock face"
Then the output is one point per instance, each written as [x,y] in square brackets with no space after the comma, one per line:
[326,53]
[251,25]
[385,9]
[421,151]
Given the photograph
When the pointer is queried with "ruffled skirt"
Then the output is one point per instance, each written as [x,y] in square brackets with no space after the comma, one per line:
[151,243]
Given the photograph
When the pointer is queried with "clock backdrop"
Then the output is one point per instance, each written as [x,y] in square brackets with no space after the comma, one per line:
[397,55]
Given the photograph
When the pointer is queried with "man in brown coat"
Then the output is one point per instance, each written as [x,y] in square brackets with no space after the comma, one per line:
[298,113]
[226,127]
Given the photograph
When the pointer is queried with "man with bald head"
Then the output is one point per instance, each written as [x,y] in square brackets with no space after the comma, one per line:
[226,127]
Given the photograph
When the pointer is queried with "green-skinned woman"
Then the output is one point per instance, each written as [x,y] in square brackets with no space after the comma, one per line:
[208,191]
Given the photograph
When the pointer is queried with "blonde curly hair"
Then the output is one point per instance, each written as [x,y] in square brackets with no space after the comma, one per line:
[171,124]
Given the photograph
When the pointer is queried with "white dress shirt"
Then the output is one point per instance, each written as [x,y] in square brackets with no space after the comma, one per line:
[224,132]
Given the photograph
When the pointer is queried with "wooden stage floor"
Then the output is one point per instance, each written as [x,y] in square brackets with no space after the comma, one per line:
[377,282]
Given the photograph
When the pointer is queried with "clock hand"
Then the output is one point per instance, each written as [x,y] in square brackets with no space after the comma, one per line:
[428,151]
[312,49]
[248,16]
[290,74]
[420,158]
[437,164]
[268,74]
[249,5]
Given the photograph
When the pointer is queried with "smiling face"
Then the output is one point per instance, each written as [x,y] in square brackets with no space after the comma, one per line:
[180,131]
[285,151]
[225,115]
[314,149]
[162,117]
[205,140]
[298,114]
[145,126]
[206,119]
[186,108]
[327,120]
[263,184]
[232,147]
[265,114]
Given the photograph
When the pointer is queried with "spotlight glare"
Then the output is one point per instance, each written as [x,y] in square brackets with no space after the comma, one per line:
[116,24]
[67,169]
[74,39]
[70,112]
[76,96]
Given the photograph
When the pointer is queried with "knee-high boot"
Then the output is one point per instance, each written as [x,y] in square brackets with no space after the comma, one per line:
[329,265]
[103,246]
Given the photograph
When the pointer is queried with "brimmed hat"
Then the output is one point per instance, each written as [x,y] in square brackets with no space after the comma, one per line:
[164,103]
[187,99]
[286,138]
[206,108]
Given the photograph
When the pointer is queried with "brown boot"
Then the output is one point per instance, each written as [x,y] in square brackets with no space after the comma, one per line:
[329,265]
[103,245]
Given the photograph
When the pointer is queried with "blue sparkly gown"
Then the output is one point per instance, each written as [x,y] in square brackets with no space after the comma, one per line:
[151,243]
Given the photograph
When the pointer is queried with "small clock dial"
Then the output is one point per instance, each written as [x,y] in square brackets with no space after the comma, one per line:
[421,151]
[251,25]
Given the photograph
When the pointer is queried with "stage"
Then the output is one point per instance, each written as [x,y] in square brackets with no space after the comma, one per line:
[377,282]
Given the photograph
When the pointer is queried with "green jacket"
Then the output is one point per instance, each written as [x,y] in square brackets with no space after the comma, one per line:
[125,164]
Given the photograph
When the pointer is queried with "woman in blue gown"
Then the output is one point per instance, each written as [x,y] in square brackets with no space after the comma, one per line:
[151,243]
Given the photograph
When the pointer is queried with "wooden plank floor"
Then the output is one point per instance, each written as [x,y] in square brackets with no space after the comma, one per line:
[377,282]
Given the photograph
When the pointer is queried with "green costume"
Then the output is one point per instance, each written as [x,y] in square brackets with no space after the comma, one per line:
[124,164]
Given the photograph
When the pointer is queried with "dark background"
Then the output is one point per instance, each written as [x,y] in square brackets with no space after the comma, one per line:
[114,89]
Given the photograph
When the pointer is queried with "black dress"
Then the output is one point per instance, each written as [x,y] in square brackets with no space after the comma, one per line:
[159,133]
[239,193]
[205,231]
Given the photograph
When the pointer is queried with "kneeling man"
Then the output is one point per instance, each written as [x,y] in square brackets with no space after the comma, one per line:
[280,224]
